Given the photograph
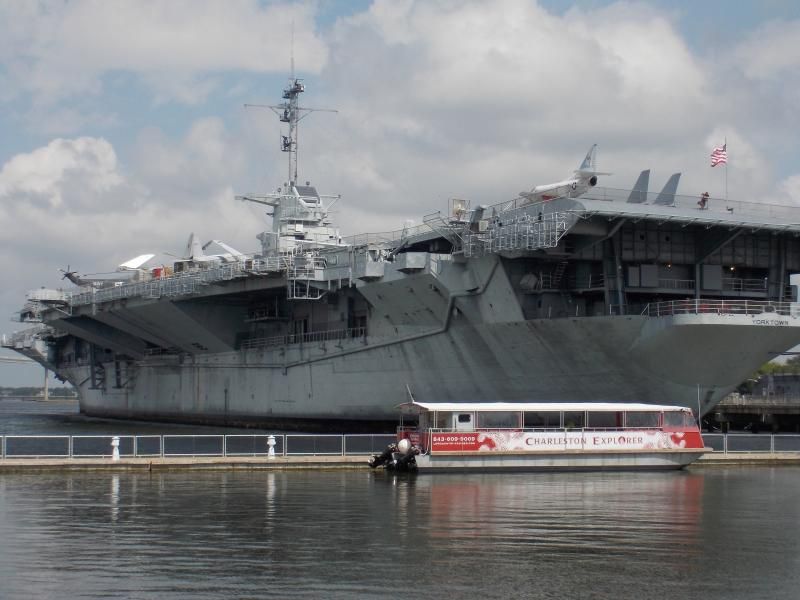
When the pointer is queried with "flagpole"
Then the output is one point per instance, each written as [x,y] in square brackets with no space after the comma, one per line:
[726,170]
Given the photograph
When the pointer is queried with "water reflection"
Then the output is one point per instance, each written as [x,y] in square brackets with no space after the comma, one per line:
[345,534]
[114,497]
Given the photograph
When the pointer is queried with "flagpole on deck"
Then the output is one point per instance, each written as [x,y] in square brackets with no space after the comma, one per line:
[719,156]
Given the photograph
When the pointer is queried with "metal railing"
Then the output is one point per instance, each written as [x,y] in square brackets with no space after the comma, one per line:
[332,335]
[758,212]
[773,443]
[175,446]
[255,445]
[183,283]
[676,284]
[738,284]
[720,307]
[522,231]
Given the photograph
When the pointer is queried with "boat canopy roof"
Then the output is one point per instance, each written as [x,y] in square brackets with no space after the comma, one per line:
[540,406]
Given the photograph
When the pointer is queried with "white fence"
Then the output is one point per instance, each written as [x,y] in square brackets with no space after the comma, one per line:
[170,446]
[166,446]
[729,443]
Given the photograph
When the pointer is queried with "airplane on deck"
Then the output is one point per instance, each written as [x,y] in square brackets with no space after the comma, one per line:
[585,178]
[133,264]
[195,254]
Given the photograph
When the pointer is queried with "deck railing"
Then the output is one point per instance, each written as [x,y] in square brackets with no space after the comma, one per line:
[331,335]
[720,307]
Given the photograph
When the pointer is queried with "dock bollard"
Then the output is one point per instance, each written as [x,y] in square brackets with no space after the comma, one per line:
[271,444]
[115,448]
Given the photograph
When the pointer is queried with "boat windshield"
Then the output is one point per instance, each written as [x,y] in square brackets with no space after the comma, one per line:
[678,419]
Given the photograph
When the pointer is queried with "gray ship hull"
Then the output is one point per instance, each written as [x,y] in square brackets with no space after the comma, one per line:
[358,383]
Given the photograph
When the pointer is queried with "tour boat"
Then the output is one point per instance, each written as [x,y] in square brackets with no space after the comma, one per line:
[508,436]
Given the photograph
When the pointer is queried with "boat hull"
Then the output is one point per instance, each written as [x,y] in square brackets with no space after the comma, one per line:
[567,461]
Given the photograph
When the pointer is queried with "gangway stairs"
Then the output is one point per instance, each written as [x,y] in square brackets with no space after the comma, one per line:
[558,274]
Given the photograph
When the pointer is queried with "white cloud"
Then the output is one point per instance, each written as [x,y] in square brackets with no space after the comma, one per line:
[71,201]
[482,100]
[49,174]
[206,160]
[789,190]
[771,51]
[57,49]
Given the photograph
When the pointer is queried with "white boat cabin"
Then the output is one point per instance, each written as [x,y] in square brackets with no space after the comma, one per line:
[538,416]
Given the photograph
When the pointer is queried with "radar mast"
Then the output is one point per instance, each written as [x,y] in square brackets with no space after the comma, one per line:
[290,112]
[299,213]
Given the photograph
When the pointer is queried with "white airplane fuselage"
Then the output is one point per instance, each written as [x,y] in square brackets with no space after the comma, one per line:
[570,188]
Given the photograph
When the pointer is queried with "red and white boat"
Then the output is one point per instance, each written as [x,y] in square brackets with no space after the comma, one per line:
[451,436]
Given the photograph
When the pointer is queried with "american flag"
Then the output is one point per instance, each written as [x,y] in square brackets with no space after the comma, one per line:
[720,155]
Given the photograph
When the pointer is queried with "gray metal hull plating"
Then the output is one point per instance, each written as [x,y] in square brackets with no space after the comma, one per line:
[673,360]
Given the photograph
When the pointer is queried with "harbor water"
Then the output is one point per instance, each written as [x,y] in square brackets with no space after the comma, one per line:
[713,532]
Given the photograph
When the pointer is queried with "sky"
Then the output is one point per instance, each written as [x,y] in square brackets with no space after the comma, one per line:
[123,127]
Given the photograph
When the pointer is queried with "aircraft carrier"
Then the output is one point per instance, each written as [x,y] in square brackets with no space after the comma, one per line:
[570,292]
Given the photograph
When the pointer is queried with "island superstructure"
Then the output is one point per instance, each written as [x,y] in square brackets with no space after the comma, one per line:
[567,293]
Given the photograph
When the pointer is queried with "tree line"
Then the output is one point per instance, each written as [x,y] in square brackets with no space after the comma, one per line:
[55,392]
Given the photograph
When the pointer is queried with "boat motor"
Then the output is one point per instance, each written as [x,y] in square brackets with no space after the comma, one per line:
[384,457]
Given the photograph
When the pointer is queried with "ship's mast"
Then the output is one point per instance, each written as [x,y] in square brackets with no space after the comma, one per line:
[299,213]
[290,112]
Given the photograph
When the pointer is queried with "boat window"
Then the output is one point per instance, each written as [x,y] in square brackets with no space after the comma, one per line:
[498,420]
[541,419]
[574,419]
[442,420]
[678,419]
[604,418]
[641,419]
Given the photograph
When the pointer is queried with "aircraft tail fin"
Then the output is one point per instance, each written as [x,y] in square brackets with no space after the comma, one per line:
[639,191]
[194,249]
[589,165]
[667,195]
[588,162]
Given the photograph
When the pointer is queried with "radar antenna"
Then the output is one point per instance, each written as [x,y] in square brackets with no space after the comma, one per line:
[290,112]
